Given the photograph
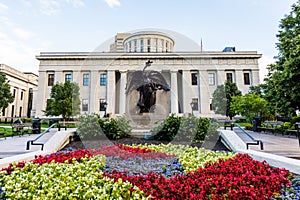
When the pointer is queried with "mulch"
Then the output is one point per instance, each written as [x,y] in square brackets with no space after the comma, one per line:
[87,144]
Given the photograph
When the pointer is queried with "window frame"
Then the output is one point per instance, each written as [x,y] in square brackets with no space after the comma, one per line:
[85,79]
[194,78]
[231,77]
[102,103]
[51,78]
[103,79]
[85,105]
[195,104]
[68,78]
[247,80]
[211,80]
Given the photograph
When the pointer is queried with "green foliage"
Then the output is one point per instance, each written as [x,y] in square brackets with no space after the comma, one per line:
[167,130]
[116,128]
[190,129]
[78,180]
[5,95]
[91,127]
[249,106]
[64,100]
[222,98]
[282,84]
[191,158]
[88,127]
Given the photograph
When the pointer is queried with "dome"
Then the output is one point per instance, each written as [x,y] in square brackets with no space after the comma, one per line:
[148,41]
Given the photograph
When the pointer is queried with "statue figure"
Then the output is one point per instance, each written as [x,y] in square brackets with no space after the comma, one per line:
[147,83]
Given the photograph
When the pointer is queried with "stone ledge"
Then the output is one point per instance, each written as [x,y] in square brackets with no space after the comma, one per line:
[237,145]
[54,144]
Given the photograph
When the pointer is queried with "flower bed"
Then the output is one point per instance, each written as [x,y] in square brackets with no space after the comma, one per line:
[145,172]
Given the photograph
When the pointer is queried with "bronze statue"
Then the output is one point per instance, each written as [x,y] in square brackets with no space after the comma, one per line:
[147,83]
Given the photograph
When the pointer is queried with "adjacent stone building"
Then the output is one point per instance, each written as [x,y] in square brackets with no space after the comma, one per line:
[103,76]
[23,85]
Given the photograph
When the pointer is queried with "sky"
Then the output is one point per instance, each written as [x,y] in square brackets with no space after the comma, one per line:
[28,27]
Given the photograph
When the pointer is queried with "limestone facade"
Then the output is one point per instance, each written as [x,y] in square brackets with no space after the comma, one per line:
[23,86]
[102,76]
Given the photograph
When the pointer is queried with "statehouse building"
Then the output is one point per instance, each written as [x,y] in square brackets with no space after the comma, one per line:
[103,76]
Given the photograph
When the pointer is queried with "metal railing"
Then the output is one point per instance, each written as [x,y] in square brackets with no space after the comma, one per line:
[254,141]
[31,142]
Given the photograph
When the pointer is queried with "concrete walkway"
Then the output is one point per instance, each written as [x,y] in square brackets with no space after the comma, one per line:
[274,144]
[16,145]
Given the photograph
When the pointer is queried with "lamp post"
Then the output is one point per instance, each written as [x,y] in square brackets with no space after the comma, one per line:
[192,106]
[104,106]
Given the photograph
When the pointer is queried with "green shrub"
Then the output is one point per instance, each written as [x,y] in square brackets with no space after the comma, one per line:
[167,130]
[115,128]
[191,129]
[89,128]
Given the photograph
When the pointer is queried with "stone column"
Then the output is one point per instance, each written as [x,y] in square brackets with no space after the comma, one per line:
[122,101]
[186,91]
[40,99]
[93,95]
[174,92]
[110,92]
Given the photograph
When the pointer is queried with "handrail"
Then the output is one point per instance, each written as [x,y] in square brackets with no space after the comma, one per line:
[257,142]
[38,137]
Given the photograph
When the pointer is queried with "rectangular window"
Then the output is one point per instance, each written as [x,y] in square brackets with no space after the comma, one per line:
[247,78]
[21,98]
[20,113]
[142,45]
[194,79]
[148,45]
[229,77]
[50,79]
[167,46]
[211,79]
[12,111]
[86,78]
[129,46]
[68,77]
[194,104]
[85,105]
[103,79]
[135,46]
[14,93]
[103,105]
[3,112]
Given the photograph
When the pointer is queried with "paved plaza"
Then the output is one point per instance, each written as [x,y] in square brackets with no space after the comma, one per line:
[274,144]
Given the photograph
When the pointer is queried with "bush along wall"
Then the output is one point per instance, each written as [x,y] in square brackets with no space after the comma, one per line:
[190,129]
[90,127]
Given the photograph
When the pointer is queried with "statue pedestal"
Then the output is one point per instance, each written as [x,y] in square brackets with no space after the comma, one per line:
[142,123]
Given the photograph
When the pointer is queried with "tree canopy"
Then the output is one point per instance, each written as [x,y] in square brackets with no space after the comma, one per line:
[249,106]
[5,95]
[222,98]
[282,84]
[64,100]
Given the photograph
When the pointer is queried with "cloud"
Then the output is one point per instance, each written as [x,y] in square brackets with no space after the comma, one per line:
[54,7]
[49,7]
[263,63]
[76,3]
[22,33]
[3,7]
[113,3]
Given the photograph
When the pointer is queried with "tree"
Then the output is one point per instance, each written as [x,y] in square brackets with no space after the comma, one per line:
[249,106]
[222,98]
[64,100]
[5,95]
[283,86]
